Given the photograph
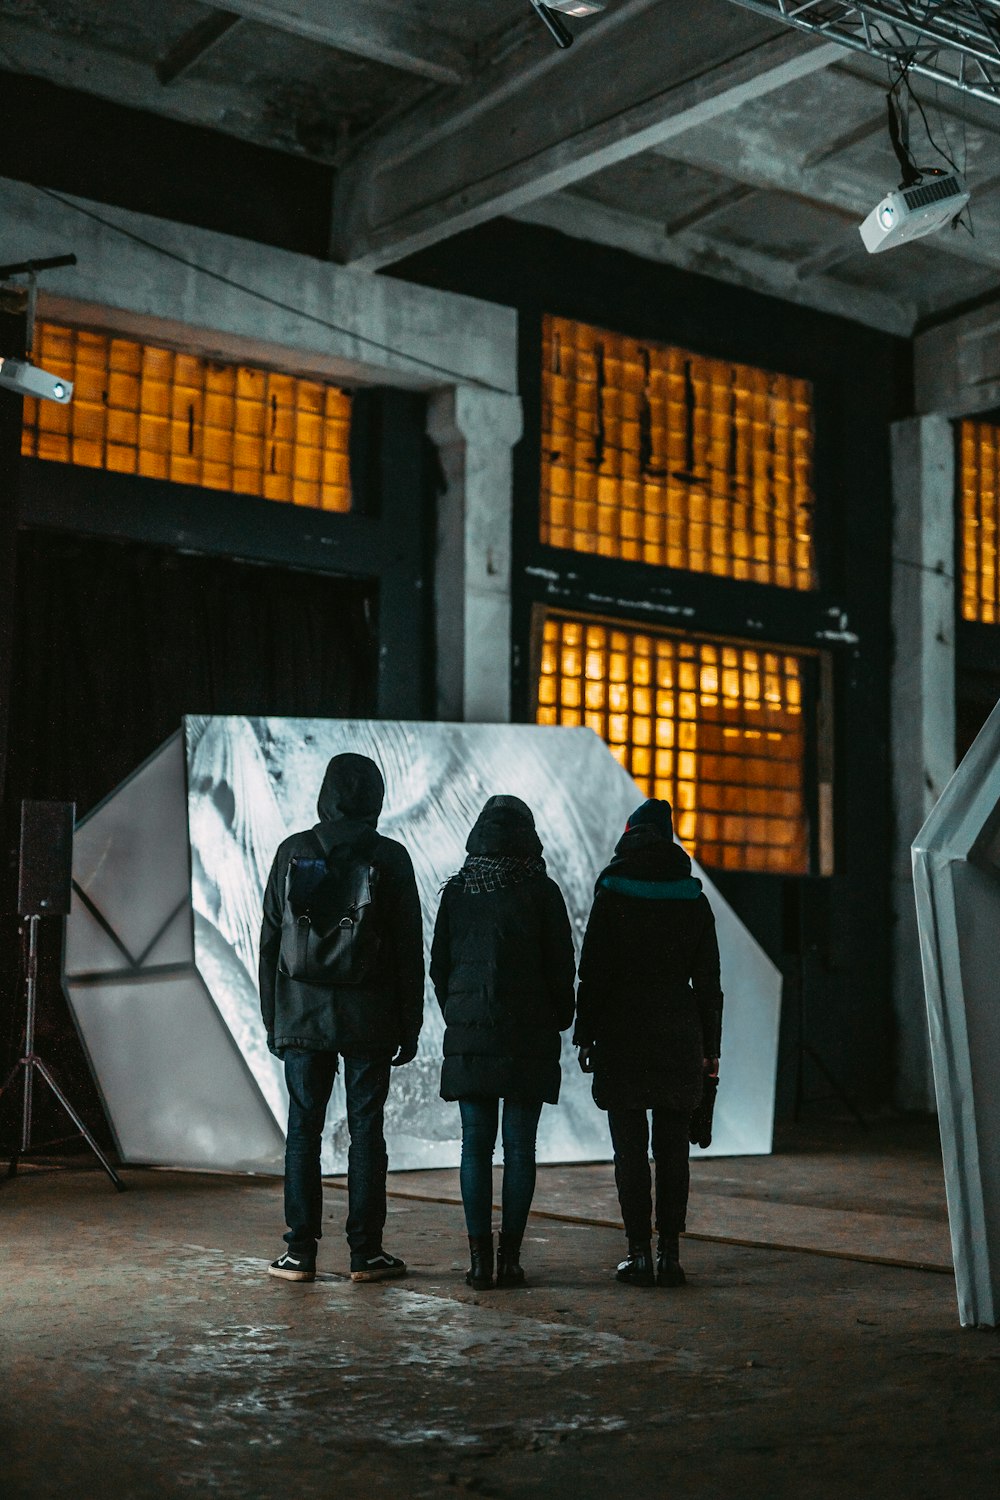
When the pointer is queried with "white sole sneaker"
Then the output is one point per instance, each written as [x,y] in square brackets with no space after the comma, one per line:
[289,1273]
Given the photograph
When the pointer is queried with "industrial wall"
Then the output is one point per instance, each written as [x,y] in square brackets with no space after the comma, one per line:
[831,933]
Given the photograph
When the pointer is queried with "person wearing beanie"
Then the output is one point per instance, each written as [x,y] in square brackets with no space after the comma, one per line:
[341,977]
[649,1023]
[503,967]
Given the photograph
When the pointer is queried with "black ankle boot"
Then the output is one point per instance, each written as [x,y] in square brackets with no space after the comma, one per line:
[480,1274]
[637,1267]
[669,1271]
[509,1272]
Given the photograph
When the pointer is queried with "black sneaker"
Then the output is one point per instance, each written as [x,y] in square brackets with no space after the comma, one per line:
[380,1267]
[293,1268]
[637,1267]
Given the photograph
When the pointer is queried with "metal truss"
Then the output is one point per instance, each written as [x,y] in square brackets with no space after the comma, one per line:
[956,42]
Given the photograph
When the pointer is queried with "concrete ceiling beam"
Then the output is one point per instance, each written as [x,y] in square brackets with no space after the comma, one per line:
[753,161]
[195,43]
[584,219]
[73,63]
[383,33]
[837,144]
[706,212]
[543,121]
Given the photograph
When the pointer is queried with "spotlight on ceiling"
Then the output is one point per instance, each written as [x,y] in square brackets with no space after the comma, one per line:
[552,11]
[913,211]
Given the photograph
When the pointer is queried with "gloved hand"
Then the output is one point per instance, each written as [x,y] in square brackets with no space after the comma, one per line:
[407,1052]
[586,1059]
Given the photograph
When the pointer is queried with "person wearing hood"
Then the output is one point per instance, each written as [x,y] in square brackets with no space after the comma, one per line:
[649,1023]
[502,966]
[365,1007]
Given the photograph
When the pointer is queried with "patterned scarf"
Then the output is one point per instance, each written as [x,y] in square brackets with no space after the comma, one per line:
[482,873]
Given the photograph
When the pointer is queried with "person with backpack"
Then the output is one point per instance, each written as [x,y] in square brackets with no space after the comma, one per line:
[649,1024]
[502,966]
[341,977]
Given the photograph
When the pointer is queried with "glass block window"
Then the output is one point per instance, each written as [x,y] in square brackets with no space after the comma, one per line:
[979,450]
[139,409]
[715,728]
[662,456]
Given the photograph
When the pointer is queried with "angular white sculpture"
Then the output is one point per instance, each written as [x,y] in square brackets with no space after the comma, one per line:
[161,958]
[956,879]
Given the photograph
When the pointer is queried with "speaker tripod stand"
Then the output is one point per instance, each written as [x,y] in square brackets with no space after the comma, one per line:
[30,1063]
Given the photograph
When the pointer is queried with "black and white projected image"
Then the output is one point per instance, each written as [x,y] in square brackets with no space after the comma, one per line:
[251,781]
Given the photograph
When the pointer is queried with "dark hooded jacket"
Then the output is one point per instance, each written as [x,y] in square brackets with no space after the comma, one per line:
[385,1012]
[649,1002]
[502,965]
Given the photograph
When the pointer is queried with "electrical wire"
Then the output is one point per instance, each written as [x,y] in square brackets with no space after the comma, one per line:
[903,64]
[265,297]
[693,482]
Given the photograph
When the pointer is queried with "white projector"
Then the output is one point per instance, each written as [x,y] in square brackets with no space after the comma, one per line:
[911,212]
[30,380]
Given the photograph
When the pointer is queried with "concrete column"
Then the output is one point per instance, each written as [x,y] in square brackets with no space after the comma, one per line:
[923,703]
[474,431]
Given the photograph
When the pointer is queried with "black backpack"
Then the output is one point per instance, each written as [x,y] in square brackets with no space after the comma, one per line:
[329,934]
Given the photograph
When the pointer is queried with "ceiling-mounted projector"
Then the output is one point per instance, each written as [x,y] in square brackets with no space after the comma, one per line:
[911,212]
[30,380]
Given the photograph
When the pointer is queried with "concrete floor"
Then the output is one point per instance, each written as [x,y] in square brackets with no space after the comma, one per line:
[146,1353]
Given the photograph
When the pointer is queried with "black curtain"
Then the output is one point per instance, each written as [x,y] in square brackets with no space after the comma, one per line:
[114,642]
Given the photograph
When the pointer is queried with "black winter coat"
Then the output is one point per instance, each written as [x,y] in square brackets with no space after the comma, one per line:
[372,1019]
[502,965]
[649,1003]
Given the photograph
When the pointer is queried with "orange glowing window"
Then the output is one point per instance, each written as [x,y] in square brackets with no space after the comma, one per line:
[139,409]
[663,456]
[718,729]
[979,444]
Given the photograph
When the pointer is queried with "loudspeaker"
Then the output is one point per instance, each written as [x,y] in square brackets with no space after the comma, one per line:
[45,870]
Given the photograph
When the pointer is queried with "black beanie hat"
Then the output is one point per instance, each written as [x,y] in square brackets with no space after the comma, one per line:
[653,813]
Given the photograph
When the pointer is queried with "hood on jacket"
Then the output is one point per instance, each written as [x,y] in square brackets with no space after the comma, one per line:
[505,827]
[352,791]
[644,854]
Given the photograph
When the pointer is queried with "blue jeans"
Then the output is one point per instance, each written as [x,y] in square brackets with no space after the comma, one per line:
[479,1136]
[309,1077]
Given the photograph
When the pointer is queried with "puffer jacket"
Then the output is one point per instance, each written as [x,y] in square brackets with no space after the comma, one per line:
[649,1003]
[371,1019]
[503,966]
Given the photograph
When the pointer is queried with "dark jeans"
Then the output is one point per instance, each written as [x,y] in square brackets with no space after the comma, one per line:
[630,1139]
[309,1077]
[479,1135]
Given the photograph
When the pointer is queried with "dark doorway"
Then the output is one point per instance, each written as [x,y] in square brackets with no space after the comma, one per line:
[114,642]
[977,693]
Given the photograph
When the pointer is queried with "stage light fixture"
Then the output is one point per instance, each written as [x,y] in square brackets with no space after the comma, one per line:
[552,11]
[30,380]
[909,213]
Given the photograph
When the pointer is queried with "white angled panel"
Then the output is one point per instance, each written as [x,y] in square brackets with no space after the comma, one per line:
[956,877]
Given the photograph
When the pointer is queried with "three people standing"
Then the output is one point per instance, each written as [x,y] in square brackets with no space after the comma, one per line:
[341,976]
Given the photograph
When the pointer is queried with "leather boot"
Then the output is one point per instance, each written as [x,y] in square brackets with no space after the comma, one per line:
[509,1272]
[480,1273]
[637,1267]
[669,1271]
